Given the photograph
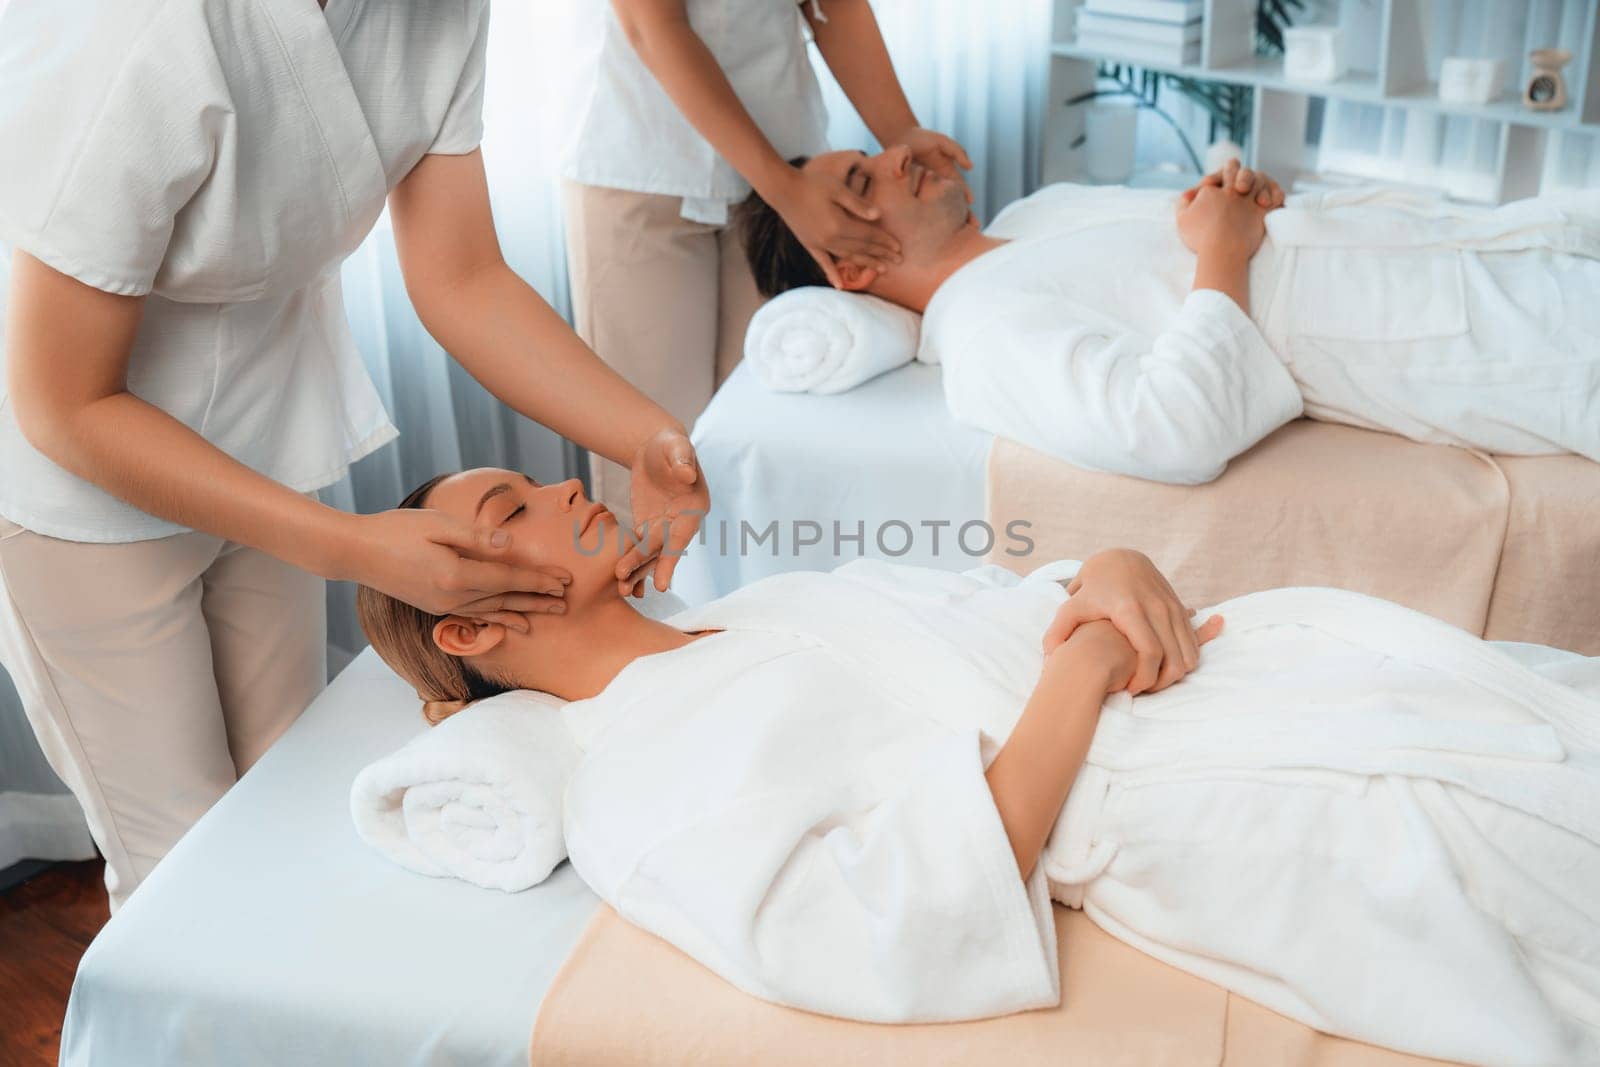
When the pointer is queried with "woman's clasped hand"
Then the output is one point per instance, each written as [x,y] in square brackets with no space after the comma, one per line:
[1159,643]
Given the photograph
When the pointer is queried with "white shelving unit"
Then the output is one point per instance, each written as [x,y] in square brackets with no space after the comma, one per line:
[1383,120]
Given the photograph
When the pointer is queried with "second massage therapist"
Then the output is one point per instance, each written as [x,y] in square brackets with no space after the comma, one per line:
[693,103]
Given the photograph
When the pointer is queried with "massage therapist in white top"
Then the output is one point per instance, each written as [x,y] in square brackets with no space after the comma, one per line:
[693,103]
[182,180]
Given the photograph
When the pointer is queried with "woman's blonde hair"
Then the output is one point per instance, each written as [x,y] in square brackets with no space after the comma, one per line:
[402,636]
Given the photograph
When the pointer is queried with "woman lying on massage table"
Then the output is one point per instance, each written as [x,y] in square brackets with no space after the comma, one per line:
[849,792]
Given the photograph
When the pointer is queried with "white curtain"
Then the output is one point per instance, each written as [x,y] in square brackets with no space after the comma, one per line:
[976,72]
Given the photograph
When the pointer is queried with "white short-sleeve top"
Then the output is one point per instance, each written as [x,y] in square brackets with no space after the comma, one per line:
[632,136]
[221,159]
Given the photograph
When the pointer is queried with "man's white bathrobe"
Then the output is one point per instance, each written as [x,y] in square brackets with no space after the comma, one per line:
[1081,338]
[1357,815]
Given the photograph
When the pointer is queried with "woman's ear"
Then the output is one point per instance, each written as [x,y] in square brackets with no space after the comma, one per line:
[853,279]
[457,635]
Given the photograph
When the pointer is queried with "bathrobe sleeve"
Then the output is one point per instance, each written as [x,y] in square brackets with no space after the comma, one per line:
[109,131]
[1175,408]
[462,130]
[897,904]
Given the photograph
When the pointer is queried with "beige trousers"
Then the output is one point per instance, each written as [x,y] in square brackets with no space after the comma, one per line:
[663,300]
[154,674]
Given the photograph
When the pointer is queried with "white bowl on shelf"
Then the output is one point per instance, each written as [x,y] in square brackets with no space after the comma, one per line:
[1314,54]
[1111,131]
[1463,80]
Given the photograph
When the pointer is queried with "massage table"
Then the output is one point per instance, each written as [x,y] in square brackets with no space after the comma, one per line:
[1507,547]
[272,935]
[886,450]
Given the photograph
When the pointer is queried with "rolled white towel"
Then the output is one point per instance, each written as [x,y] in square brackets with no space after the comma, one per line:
[819,340]
[478,797]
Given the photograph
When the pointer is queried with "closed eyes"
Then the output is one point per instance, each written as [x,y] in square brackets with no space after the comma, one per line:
[855,172]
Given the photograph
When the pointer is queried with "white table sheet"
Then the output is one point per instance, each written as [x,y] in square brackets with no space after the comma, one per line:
[272,935]
[885,452]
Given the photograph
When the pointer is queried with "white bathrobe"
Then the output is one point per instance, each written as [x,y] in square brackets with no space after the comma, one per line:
[1354,814]
[1081,338]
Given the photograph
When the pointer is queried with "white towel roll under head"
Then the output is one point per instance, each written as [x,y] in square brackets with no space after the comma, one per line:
[820,340]
[480,796]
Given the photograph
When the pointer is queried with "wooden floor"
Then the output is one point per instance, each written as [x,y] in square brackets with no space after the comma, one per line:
[45,924]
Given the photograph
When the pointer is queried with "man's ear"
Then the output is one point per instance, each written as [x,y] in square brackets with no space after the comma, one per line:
[457,635]
[854,279]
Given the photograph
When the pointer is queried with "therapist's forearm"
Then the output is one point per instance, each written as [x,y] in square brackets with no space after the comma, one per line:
[668,45]
[67,353]
[493,322]
[177,475]
[517,347]
[852,44]
[1034,771]
[1227,271]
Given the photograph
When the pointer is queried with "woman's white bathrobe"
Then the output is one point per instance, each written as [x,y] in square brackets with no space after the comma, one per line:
[1354,814]
[1081,338]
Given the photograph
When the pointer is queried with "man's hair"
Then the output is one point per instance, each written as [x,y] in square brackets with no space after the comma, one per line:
[777,258]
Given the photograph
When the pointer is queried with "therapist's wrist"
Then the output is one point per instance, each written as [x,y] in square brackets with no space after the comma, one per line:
[896,130]
[327,542]
[640,434]
[779,183]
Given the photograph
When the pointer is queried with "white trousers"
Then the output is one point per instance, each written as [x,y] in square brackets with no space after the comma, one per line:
[154,674]
[664,300]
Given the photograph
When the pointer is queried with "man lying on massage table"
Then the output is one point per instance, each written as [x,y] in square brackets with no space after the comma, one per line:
[1124,332]
[856,793]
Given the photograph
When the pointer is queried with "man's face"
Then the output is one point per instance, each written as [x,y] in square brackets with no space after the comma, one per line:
[919,207]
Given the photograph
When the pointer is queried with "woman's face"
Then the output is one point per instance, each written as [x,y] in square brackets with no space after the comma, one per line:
[554,525]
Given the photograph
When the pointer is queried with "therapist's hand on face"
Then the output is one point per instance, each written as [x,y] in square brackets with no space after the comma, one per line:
[446,566]
[940,154]
[1124,588]
[835,223]
[669,497]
